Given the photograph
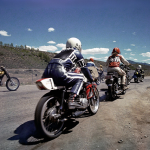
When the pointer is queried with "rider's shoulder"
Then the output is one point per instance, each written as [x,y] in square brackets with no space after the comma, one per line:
[119,55]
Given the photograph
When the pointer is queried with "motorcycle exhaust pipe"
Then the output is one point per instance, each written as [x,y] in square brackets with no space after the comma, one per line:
[78,113]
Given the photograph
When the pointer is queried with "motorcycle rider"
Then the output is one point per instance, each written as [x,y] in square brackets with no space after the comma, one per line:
[139,70]
[91,63]
[59,68]
[93,69]
[113,63]
[100,71]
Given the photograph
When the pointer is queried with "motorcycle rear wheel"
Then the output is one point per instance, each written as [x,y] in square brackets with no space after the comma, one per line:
[45,123]
[136,80]
[94,102]
[12,84]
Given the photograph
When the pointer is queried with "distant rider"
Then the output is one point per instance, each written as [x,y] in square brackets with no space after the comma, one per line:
[59,69]
[113,63]
[91,63]
[92,67]
[100,71]
[140,71]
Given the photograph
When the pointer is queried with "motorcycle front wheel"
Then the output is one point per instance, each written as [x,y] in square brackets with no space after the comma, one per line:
[12,84]
[46,121]
[94,102]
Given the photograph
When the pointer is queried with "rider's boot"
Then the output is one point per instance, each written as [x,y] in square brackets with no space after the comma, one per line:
[123,87]
[73,102]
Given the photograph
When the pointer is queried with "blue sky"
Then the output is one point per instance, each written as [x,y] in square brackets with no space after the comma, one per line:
[100,25]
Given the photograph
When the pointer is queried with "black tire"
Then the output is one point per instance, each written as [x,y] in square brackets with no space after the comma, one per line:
[111,92]
[142,79]
[12,84]
[44,122]
[94,102]
[136,80]
[124,92]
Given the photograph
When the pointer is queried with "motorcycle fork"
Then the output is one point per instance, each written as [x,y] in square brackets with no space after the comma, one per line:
[92,94]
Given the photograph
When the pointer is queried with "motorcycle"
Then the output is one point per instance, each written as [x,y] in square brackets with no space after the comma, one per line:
[12,83]
[52,109]
[113,81]
[126,69]
[138,77]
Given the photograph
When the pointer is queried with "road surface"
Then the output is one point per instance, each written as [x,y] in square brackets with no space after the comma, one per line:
[123,124]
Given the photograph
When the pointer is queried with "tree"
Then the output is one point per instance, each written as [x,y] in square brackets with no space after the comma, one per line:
[11,45]
[21,46]
[1,43]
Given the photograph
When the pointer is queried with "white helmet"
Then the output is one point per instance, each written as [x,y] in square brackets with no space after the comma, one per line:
[139,66]
[73,43]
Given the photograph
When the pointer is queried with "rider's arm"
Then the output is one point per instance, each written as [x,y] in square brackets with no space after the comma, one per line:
[81,64]
[125,61]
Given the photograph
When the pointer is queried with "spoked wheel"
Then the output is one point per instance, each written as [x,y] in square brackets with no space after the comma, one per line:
[94,102]
[47,118]
[12,84]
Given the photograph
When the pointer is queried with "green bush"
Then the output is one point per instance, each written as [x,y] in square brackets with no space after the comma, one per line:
[44,56]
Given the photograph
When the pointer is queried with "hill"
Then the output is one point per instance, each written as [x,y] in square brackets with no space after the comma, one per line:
[25,58]
[21,57]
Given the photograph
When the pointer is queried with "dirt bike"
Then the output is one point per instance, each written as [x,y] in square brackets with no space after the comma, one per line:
[52,109]
[138,77]
[12,83]
[113,81]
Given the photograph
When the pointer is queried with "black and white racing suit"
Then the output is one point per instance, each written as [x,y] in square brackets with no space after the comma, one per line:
[59,69]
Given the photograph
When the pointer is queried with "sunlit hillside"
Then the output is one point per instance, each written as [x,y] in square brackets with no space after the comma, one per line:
[25,58]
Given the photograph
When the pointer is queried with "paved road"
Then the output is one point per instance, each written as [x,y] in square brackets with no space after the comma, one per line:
[112,123]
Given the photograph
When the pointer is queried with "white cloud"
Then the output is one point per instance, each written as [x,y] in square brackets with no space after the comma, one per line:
[132,44]
[4,33]
[48,48]
[28,46]
[57,52]
[102,58]
[147,54]
[146,60]
[31,47]
[51,42]
[114,41]
[50,29]
[29,29]
[96,51]
[94,58]
[128,49]
[131,58]
[105,58]
[61,45]
[132,54]
[134,33]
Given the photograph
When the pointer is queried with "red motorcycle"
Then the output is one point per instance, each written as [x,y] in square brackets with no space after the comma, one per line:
[52,109]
